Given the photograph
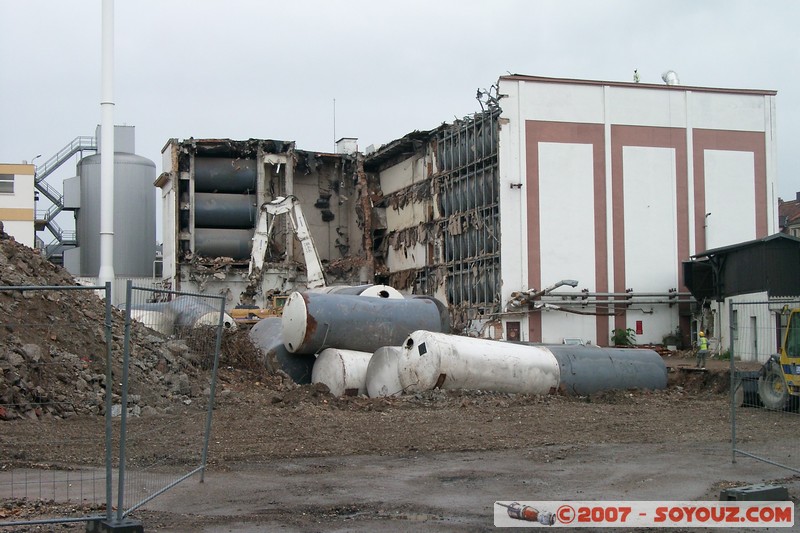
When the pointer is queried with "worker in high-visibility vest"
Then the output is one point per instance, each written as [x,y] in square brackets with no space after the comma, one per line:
[702,350]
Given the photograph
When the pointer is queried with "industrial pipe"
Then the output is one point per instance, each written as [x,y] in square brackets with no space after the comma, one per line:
[621,294]
[612,302]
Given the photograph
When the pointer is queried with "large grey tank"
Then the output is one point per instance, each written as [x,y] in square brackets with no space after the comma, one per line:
[223,175]
[221,242]
[315,321]
[134,215]
[266,336]
[586,369]
[224,210]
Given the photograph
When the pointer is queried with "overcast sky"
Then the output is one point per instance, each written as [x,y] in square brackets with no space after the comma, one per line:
[267,69]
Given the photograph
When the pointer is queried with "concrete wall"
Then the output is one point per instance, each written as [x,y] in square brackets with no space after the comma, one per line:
[17,208]
[166,184]
[615,184]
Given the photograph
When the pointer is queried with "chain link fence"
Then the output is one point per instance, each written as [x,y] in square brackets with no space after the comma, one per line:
[186,356]
[765,384]
[55,349]
[70,452]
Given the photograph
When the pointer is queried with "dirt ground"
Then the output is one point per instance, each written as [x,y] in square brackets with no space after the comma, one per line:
[302,460]
[292,458]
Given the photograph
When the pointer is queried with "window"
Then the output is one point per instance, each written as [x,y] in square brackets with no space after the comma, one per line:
[7,183]
[793,336]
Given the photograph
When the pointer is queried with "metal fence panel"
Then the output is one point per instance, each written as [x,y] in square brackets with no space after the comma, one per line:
[69,451]
[190,328]
[756,332]
[55,348]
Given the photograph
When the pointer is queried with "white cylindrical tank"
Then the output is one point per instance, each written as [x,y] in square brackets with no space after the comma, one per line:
[160,321]
[436,360]
[382,378]
[343,371]
[193,312]
[375,291]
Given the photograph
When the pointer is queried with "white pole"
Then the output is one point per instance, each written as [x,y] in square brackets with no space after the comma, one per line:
[106,273]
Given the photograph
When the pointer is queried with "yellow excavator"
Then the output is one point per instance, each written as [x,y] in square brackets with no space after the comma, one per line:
[248,315]
[779,378]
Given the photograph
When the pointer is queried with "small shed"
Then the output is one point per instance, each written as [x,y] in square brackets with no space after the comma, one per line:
[746,289]
[769,265]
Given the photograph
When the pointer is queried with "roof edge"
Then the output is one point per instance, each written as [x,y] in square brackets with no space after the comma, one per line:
[573,81]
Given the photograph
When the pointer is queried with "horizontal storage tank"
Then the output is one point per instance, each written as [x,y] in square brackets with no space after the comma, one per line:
[193,312]
[219,242]
[587,369]
[343,371]
[314,321]
[382,378]
[267,337]
[376,291]
[435,360]
[225,175]
[233,211]
[160,321]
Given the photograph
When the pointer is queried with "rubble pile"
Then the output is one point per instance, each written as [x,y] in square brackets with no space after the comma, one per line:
[53,350]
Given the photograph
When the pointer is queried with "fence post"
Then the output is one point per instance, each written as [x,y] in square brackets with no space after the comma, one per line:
[213,389]
[124,400]
[109,404]
[731,351]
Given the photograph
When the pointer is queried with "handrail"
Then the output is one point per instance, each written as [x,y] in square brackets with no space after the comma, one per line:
[78,144]
[55,247]
[55,229]
[51,213]
[48,190]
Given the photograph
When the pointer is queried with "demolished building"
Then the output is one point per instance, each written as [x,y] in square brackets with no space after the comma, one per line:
[605,187]
[212,192]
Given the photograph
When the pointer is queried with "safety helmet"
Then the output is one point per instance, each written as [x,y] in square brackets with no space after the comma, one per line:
[702,334]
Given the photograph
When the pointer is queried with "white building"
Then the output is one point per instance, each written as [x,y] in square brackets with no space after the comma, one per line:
[17,202]
[612,185]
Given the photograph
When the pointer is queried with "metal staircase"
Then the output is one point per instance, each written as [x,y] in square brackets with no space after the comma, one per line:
[78,144]
[62,238]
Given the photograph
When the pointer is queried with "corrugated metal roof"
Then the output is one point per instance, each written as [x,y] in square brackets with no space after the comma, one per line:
[747,244]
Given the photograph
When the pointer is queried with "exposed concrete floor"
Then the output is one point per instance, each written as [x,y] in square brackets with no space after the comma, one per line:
[446,492]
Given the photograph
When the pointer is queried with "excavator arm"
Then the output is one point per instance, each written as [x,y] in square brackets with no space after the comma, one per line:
[315,277]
